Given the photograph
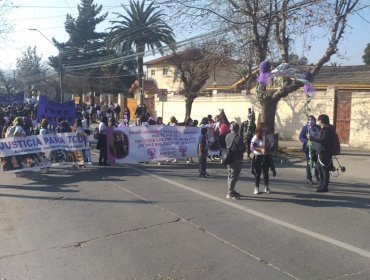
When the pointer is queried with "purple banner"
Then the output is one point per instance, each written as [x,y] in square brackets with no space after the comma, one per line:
[11,99]
[51,110]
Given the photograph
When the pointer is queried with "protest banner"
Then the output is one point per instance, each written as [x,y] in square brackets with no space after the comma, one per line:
[151,143]
[10,99]
[51,110]
[17,152]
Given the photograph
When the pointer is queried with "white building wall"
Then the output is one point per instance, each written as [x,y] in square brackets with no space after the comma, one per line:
[290,115]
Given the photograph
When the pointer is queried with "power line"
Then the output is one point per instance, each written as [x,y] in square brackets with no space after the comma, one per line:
[49,7]
[50,17]
[132,56]
[82,48]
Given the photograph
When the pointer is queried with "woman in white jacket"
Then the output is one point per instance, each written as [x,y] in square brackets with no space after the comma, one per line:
[261,159]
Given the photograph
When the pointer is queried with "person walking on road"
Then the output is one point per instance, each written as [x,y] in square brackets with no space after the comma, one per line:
[203,152]
[262,159]
[324,156]
[235,146]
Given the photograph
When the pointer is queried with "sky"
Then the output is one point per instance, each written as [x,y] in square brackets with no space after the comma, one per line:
[49,17]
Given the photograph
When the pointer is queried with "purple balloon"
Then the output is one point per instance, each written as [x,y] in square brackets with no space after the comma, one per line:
[263,78]
[264,75]
[265,67]
[308,89]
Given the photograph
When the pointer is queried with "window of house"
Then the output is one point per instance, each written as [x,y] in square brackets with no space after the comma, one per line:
[152,72]
[165,71]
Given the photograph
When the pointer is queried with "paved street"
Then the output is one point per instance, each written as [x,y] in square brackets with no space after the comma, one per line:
[163,222]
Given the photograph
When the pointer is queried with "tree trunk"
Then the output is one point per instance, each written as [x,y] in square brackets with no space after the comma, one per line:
[268,106]
[140,48]
[140,70]
[188,105]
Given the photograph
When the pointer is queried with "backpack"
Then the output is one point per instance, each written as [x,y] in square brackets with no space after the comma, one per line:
[335,143]
[96,133]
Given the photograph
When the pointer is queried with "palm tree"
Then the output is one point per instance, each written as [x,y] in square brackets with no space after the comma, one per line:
[140,27]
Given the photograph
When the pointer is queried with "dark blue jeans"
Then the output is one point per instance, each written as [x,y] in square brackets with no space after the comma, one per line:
[202,164]
[261,166]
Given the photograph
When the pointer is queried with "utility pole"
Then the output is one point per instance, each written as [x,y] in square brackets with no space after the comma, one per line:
[142,90]
[60,63]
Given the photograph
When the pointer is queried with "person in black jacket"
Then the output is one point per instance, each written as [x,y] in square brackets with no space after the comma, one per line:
[324,161]
[235,146]
[203,152]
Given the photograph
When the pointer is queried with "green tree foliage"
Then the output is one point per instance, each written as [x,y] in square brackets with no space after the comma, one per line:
[83,53]
[30,71]
[140,26]
[366,56]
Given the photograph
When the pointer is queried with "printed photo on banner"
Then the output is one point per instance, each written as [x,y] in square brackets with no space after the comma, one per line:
[27,162]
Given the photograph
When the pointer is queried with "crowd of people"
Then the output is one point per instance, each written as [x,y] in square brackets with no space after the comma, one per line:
[216,134]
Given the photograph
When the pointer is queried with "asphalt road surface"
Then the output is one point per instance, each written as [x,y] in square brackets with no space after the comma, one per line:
[164,222]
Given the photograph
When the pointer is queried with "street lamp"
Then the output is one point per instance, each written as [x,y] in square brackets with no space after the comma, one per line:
[60,63]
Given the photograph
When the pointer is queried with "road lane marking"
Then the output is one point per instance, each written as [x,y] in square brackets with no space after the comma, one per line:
[310,233]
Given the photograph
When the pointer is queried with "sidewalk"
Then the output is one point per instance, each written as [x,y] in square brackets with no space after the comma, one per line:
[295,146]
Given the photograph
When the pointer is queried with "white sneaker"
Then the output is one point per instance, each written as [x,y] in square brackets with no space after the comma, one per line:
[230,196]
[267,189]
[256,190]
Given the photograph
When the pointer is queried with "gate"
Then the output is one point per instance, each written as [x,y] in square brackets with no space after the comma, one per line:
[342,115]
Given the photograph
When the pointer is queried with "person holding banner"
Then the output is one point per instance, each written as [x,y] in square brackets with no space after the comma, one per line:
[63,126]
[102,142]
[126,116]
[44,127]
[81,156]
[159,121]
[16,131]
[44,130]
